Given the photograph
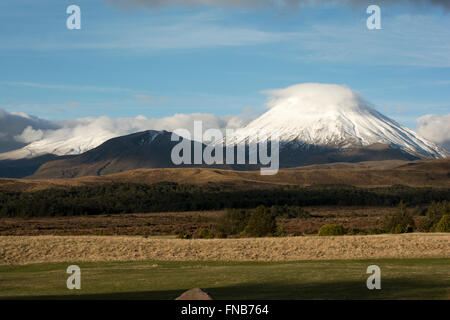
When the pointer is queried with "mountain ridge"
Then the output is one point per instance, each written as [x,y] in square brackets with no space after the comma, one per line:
[316,124]
[332,116]
[430,173]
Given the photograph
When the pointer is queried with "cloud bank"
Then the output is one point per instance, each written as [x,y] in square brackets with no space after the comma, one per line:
[13,125]
[22,135]
[33,136]
[435,128]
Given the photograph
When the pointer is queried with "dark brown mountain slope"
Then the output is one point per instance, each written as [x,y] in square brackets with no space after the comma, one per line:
[152,149]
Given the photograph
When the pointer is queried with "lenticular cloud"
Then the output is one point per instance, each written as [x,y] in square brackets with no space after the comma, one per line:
[311,113]
[332,116]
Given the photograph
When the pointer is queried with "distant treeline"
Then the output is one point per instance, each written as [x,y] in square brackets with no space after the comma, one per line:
[132,198]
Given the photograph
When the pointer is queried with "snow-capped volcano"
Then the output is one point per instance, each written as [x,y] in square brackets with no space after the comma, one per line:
[332,116]
[331,122]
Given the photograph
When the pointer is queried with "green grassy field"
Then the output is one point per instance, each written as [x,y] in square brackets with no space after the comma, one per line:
[344,279]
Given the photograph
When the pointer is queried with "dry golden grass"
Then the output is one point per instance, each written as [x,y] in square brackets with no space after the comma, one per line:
[433,173]
[39,249]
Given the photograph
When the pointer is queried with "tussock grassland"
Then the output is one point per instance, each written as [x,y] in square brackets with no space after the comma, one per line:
[172,223]
[39,249]
[365,174]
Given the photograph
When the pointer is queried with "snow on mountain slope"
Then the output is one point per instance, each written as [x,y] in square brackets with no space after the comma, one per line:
[333,116]
[61,145]
[72,137]
[303,115]
[74,145]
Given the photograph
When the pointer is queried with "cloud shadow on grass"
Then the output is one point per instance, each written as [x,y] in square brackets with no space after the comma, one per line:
[398,288]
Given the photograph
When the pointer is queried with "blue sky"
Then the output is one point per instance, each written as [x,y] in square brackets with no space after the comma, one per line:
[157,61]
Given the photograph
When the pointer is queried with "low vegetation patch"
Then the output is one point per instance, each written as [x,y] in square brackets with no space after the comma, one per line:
[274,221]
[261,223]
[258,222]
[443,225]
[233,222]
[332,230]
[401,222]
[434,214]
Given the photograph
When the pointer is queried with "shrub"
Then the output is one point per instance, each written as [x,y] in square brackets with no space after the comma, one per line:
[204,233]
[280,231]
[433,215]
[438,209]
[331,230]
[261,223]
[401,228]
[443,225]
[232,222]
[184,235]
[425,225]
[401,222]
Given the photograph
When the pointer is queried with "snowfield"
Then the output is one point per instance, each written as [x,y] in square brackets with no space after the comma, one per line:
[334,116]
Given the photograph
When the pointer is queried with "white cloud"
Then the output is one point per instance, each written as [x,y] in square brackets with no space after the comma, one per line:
[435,128]
[14,124]
[29,135]
[79,135]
